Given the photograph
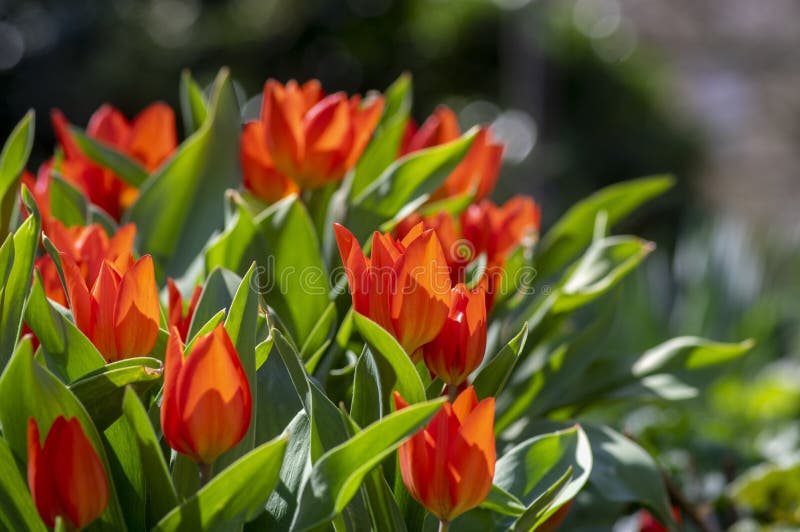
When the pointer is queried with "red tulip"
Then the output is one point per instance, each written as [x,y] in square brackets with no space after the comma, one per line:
[460,346]
[149,139]
[121,313]
[304,138]
[458,251]
[496,231]
[66,476]
[648,523]
[404,286]
[477,173]
[448,466]
[176,316]
[207,404]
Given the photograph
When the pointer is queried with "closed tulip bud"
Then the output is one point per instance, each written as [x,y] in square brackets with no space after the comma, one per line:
[206,405]
[448,466]
[65,475]
[176,316]
[404,286]
[304,139]
[121,313]
[477,172]
[459,348]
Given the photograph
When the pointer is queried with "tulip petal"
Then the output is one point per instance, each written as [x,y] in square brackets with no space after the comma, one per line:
[109,126]
[355,267]
[137,313]
[364,122]
[39,479]
[329,139]
[282,117]
[79,298]
[260,174]
[104,299]
[153,137]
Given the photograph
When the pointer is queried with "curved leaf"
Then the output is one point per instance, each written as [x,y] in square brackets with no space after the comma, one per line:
[13,158]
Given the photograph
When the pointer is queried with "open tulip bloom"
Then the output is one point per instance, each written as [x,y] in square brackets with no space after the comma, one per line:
[179,349]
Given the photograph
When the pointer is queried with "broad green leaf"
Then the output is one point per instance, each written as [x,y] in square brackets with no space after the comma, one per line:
[502,502]
[492,378]
[320,333]
[405,378]
[194,107]
[17,510]
[67,203]
[127,472]
[15,289]
[295,280]
[278,395]
[688,352]
[368,397]
[181,205]
[623,472]
[338,474]
[27,390]
[161,494]
[106,156]
[282,503]
[405,185]
[385,144]
[239,244]
[101,391]
[327,426]
[575,229]
[13,158]
[234,496]
[42,318]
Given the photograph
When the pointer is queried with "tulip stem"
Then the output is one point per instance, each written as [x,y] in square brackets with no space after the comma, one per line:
[452,393]
[444,526]
[204,475]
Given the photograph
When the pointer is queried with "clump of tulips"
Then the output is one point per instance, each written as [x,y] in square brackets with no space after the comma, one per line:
[181,347]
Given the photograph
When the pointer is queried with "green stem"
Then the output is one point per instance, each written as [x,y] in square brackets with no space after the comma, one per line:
[205,474]
[452,392]
[444,526]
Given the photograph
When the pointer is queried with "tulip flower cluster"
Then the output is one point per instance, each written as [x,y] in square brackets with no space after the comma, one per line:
[163,313]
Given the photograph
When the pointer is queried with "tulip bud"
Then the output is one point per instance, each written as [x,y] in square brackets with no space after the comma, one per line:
[206,404]
[121,314]
[448,466]
[459,348]
[65,476]
[404,286]
[176,316]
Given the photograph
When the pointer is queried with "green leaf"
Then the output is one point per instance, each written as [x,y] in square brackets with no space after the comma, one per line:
[282,503]
[688,352]
[128,169]
[127,472]
[181,205]
[502,502]
[18,282]
[404,377]
[625,473]
[101,391]
[295,280]
[575,229]
[240,243]
[405,185]
[492,378]
[194,107]
[770,490]
[67,203]
[29,390]
[161,494]
[17,510]
[337,476]
[368,397]
[385,144]
[234,496]
[13,158]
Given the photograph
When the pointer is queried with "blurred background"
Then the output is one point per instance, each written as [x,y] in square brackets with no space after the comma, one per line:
[585,93]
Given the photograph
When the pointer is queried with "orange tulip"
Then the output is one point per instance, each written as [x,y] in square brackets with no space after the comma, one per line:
[477,173]
[207,404]
[66,476]
[459,348]
[177,317]
[404,286]
[497,231]
[89,247]
[448,466]
[121,314]
[458,252]
[304,138]
[150,138]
